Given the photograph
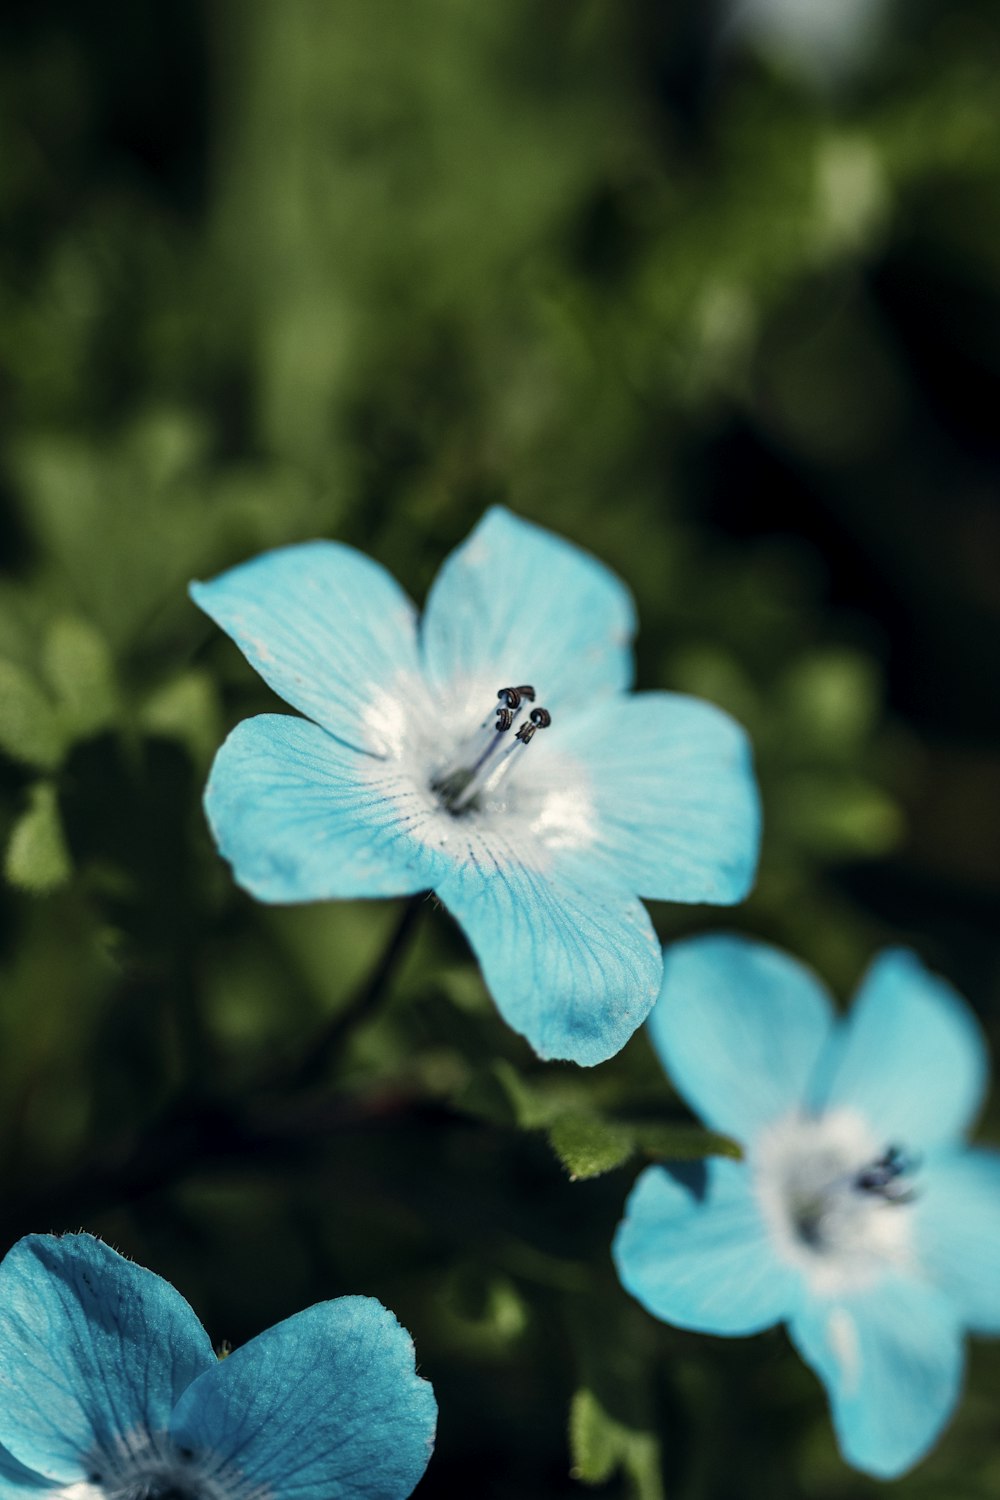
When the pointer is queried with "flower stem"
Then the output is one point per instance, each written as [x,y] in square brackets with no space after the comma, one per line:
[321,1050]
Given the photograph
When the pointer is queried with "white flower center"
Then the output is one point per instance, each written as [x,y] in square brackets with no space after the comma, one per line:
[835,1199]
[451,779]
[150,1466]
[486,757]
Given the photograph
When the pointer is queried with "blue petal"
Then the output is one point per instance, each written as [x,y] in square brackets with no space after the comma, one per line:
[91,1347]
[910,1057]
[17,1482]
[957,1226]
[324,1406]
[515,604]
[326,627]
[739,1027]
[302,817]
[676,809]
[572,965]
[891,1359]
[694,1250]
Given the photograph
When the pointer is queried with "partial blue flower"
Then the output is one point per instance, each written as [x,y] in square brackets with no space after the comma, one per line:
[822,41]
[110,1390]
[859,1215]
[490,752]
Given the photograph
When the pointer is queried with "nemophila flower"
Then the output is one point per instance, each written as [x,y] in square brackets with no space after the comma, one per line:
[492,754]
[110,1390]
[859,1216]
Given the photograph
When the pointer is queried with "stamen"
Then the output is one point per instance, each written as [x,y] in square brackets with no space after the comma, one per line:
[540,719]
[512,696]
[882,1177]
[484,758]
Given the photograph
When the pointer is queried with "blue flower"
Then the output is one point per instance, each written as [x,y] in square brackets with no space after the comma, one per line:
[819,40]
[110,1390]
[492,755]
[859,1216]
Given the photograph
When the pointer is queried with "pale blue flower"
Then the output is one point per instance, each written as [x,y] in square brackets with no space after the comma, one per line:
[110,1390]
[860,1216]
[823,40]
[431,761]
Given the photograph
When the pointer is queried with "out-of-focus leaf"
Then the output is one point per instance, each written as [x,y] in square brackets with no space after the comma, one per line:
[841,815]
[594,1439]
[600,1445]
[485,1313]
[30,725]
[37,859]
[683,1142]
[713,673]
[833,698]
[186,709]
[78,665]
[587,1145]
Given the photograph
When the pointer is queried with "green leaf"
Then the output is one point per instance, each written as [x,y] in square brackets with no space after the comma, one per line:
[37,859]
[594,1439]
[532,1109]
[600,1445]
[186,709]
[30,725]
[588,1145]
[832,697]
[841,815]
[683,1142]
[78,665]
[484,1313]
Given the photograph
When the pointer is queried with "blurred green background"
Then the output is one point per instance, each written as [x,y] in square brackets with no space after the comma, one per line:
[715,294]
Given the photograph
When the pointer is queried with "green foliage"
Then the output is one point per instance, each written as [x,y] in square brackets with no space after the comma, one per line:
[37,859]
[357,271]
[587,1145]
[587,1140]
[77,663]
[600,1446]
[30,728]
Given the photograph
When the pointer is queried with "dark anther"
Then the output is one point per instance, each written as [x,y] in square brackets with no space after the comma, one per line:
[882,1176]
[505,718]
[540,719]
[512,696]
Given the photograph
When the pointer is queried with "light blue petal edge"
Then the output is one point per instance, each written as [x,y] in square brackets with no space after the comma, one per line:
[957,1232]
[676,806]
[515,604]
[694,1250]
[910,1056]
[325,626]
[326,1405]
[302,817]
[739,1027]
[892,1361]
[92,1347]
[573,966]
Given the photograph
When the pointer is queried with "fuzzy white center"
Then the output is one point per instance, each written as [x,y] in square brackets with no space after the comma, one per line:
[809,1173]
[532,795]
